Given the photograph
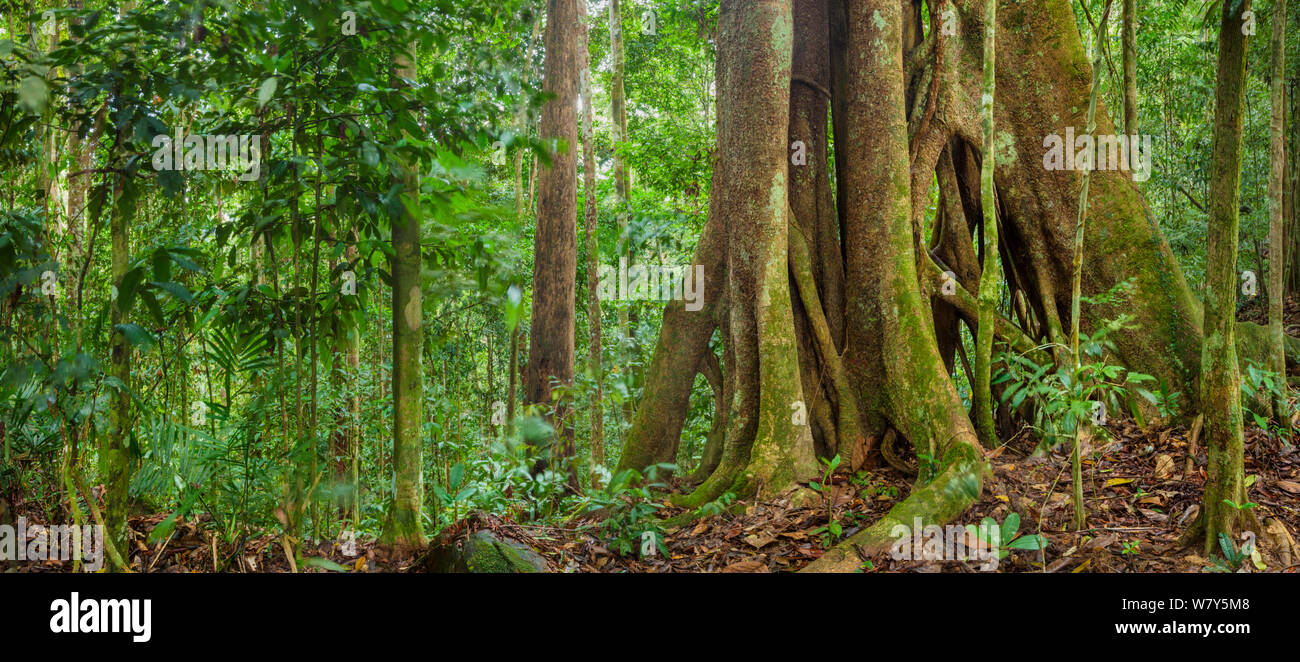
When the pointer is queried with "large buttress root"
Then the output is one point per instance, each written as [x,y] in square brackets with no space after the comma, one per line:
[888,310]
[766,448]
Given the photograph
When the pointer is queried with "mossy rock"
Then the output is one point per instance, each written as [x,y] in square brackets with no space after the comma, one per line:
[485,552]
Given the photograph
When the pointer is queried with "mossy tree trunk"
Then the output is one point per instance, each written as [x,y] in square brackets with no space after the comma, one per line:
[768,446]
[889,312]
[114,458]
[1225,490]
[405,525]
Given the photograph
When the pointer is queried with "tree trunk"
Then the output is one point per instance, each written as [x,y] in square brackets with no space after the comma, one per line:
[766,449]
[1129,39]
[989,290]
[521,122]
[551,341]
[1276,220]
[891,342]
[593,261]
[114,462]
[622,183]
[1076,289]
[405,526]
[1225,490]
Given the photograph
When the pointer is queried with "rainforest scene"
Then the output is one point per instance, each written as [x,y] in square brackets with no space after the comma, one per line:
[649,286]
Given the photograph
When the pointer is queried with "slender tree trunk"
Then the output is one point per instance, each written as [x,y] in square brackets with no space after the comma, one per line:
[512,378]
[1276,219]
[347,363]
[593,261]
[989,294]
[551,341]
[405,526]
[1081,425]
[622,184]
[114,458]
[1225,490]
[1129,39]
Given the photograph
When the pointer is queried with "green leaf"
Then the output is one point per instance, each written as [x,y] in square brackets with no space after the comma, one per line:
[322,562]
[514,307]
[151,303]
[178,291]
[184,262]
[1225,544]
[127,288]
[456,474]
[168,525]
[135,334]
[266,91]
[1010,526]
[1027,542]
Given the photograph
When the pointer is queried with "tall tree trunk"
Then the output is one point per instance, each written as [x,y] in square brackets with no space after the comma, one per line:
[1276,218]
[347,363]
[989,294]
[405,526]
[622,188]
[593,260]
[512,377]
[551,341]
[1076,291]
[114,462]
[1129,39]
[1225,490]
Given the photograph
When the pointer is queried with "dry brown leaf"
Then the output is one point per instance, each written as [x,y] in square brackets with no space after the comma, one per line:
[1164,466]
[1288,485]
[746,567]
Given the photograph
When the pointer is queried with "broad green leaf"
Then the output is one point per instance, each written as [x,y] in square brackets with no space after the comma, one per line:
[266,91]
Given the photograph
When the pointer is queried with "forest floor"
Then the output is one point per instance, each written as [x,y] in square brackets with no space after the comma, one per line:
[1140,495]
[1141,491]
